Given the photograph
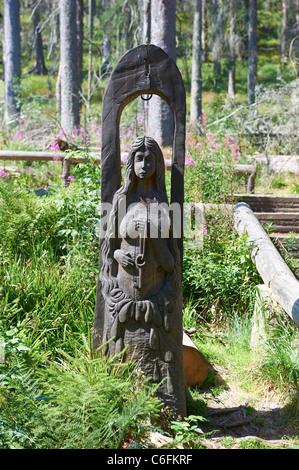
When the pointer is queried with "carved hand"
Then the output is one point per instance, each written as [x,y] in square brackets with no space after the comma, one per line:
[140,226]
[124,259]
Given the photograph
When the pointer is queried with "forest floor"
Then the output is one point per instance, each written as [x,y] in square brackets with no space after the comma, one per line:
[252,420]
[259,418]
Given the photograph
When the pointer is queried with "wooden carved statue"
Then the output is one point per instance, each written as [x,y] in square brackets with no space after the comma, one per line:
[139,294]
[140,272]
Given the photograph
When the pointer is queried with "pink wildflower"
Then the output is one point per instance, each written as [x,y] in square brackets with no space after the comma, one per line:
[54,146]
[189,161]
[203,231]
[20,134]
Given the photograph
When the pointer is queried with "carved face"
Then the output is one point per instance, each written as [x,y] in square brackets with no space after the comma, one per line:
[144,164]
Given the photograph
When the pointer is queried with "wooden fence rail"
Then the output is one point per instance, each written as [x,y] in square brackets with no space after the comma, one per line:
[277,276]
[249,171]
[32,156]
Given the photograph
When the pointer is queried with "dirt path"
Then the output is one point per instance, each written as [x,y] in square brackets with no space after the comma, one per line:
[241,420]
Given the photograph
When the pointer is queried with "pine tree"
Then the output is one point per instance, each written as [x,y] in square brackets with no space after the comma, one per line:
[195,106]
[12,59]
[163,31]
[68,66]
[252,51]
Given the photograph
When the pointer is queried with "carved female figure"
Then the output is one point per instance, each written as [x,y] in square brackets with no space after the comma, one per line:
[140,275]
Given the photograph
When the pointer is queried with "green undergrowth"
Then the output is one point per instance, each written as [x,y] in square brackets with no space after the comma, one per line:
[77,401]
[54,393]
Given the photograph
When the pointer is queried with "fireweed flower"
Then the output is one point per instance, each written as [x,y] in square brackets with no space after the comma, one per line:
[20,134]
[2,175]
[189,161]
[54,146]
[203,231]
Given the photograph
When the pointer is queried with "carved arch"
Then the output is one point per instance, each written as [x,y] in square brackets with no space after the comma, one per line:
[146,69]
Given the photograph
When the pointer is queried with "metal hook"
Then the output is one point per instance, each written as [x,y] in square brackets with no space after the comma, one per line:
[146,99]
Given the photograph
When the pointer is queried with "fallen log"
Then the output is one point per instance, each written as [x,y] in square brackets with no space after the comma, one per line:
[275,273]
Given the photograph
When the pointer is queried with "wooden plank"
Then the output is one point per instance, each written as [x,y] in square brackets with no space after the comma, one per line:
[287,216]
[269,203]
[276,275]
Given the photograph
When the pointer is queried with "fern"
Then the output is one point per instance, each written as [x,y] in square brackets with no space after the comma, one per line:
[76,402]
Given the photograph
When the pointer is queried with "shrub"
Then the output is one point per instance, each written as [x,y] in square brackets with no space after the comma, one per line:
[219,274]
[25,220]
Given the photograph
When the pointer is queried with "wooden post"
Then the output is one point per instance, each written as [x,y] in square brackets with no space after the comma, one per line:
[66,167]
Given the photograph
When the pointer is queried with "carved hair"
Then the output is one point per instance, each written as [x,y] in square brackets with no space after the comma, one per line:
[109,243]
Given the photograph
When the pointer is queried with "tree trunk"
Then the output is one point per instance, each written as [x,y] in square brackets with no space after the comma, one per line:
[69,71]
[79,21]
[90,26]
[232,33]
[217,15]
[163,35]
[284,50]
[252,51]
[203,31]
[195,105]
[12,60]
[38,42]
[297,39]
[145,36]
[146,21]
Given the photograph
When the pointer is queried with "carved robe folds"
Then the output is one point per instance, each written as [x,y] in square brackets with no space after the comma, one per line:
[140,276]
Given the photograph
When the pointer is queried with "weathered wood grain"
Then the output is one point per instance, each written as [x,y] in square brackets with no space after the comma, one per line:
[269,263]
